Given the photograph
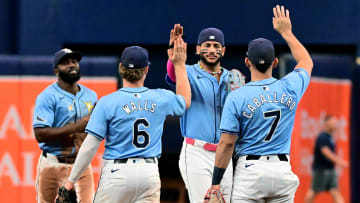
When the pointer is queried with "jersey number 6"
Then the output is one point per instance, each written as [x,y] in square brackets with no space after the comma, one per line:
[275,123]
[141,138]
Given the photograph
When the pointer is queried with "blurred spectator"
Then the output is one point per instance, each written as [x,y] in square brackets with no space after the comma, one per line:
[324,173]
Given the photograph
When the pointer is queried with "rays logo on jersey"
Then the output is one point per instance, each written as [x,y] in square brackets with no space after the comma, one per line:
[89,106]
[236,80]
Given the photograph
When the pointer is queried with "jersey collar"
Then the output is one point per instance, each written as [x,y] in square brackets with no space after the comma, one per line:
[68,94]
[131,89]
[262,82]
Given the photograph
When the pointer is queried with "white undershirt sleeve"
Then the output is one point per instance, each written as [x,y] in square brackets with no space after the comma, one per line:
[86,153]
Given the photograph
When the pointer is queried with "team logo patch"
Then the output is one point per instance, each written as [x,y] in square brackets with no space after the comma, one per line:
[40,119]
[89,106]
[266,88]
[212,37]
[137,95]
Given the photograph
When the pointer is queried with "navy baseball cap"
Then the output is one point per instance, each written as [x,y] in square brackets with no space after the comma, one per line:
[66,53]
[261,51]
[135,57]
[211,34]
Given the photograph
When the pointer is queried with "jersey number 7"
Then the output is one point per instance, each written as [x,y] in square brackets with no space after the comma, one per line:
[277,115]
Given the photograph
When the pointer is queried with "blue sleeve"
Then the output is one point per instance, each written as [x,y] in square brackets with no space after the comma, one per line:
[230,119]
[170,82]
[44,111]
[297,81]
[97,125]
[176,105]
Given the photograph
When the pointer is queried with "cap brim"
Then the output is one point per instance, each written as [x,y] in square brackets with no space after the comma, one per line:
[75,55]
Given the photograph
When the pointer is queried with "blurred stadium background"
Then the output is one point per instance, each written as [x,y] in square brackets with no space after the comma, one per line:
[32,31]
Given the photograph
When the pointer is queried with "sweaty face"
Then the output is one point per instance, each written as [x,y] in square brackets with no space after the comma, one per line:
[69,70]
[211,53]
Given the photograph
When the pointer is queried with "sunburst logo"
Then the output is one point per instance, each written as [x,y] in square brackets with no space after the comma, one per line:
[89,106]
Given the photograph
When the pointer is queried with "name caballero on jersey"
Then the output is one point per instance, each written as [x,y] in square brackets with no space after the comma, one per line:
[139,106]
[268,99]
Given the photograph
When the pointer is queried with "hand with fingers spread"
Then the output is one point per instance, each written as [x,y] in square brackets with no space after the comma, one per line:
[178,54]
[281,19]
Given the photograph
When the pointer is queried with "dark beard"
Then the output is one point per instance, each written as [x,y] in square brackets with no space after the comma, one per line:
[211,64]
[69,78]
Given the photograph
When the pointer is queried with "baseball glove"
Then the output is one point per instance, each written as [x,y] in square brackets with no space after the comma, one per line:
[66,196]
[214,196]
[236,80]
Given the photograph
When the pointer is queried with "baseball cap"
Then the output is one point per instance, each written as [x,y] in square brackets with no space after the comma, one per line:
[68,53]
[211,34]
[261,51]
[135,57]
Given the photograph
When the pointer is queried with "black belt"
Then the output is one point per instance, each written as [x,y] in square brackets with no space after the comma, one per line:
[282,157]
[124,161]
[64,160]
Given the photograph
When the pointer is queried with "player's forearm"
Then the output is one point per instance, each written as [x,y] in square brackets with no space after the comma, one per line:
[224,153]
[86,153]
[49,134]
[299,52]
[182,84]
[224,150]
[170,69]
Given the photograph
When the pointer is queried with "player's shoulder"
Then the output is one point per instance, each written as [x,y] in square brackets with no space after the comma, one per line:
[161,91]
[49,92]
[194,68]
[238,94]
[298,72]
[87,90]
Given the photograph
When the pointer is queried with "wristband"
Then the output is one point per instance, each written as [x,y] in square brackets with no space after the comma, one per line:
[217,175]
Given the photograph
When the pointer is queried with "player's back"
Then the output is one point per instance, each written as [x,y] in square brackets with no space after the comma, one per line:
[266,112]
[135,118]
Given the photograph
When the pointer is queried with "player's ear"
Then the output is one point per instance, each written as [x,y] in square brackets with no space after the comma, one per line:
[197,49]
[247,62]
[119,67]
[223,51]
[56,72]
[275,63]
[146,69]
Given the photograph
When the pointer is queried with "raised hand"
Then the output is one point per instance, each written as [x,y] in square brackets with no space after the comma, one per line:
[175,33]
[178,54]
[281,19]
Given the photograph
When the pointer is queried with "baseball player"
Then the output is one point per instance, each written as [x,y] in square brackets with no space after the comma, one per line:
[131,122]
[61,113]
[210,84]
[258,119]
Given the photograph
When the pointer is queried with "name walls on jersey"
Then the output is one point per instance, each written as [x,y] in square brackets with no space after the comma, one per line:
[138,106]
[268,98]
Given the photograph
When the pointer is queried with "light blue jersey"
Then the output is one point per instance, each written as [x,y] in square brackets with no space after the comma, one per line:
[56,107]
[201,121]
[262,114]
[131,121]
